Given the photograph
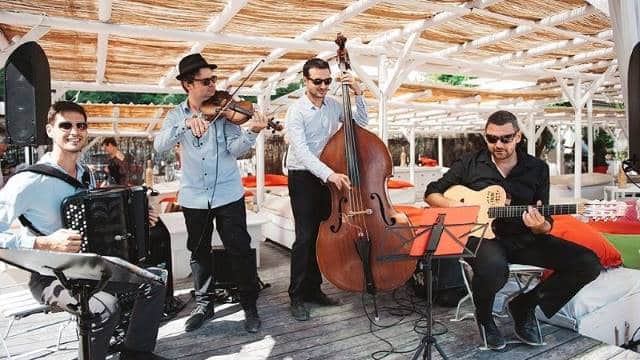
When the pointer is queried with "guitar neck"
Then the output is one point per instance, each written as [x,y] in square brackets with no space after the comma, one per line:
[517,210]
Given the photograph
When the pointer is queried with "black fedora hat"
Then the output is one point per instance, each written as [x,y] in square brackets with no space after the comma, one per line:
[192,62]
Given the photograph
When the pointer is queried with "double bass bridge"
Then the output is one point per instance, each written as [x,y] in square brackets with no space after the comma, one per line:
[361,212]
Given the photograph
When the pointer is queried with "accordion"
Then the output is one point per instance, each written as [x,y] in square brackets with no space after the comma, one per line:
[112,221]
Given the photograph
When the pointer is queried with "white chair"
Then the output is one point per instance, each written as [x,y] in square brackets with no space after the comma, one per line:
[19,304]
[525,276]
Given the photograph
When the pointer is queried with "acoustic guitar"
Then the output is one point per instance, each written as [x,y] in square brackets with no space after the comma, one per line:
[492,201]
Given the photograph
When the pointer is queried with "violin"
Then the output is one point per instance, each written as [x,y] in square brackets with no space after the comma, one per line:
[237,112]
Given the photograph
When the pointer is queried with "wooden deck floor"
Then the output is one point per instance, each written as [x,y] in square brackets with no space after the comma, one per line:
[342,332]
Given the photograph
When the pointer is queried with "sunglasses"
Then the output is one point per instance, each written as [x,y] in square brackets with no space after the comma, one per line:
[317,82]
[208,81]
[66,126]
[505,139]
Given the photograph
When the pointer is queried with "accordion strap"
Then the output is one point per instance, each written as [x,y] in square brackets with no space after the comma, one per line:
[49,170]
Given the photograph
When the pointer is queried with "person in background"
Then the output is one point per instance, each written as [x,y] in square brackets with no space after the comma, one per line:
[118,166]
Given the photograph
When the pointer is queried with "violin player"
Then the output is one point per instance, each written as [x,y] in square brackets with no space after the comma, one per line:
[311,121]
[211,188]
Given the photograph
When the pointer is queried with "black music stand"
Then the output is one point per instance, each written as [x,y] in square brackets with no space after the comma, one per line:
[442,232]
[83,275]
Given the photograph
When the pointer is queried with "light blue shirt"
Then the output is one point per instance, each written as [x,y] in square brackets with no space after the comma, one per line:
[309,128]
[210,175]
[38,197]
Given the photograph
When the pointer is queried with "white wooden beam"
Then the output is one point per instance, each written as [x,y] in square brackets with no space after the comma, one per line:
[34,34]
[394,79]
[577,58]
[601,5]
[102,45]
[216,25]
[156,118]
[520,30]
[366,79]
[542,26]
[332,21]
[545,49]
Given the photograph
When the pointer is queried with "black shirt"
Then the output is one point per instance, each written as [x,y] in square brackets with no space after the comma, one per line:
[527,182]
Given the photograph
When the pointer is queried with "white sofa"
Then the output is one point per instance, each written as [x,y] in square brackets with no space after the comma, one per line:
[592,185]
[277,208]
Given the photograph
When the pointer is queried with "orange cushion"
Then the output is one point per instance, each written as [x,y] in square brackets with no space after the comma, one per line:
[269,180]
[398,184]
[571,229]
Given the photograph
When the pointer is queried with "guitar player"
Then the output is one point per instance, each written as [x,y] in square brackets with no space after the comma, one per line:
[524,240]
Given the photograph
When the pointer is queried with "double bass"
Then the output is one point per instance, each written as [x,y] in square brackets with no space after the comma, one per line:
[363,227]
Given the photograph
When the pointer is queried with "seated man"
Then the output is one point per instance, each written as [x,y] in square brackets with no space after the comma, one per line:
[35,199]
[524,240]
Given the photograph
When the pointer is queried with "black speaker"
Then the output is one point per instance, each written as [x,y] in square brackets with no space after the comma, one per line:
[28,95]
[633,99]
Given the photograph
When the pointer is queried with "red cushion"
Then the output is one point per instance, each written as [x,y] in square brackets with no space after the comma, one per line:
[571,229]
[269,180]
[427,161]
[398,184]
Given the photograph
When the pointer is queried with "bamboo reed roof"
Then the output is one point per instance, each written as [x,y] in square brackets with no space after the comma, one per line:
[134,45]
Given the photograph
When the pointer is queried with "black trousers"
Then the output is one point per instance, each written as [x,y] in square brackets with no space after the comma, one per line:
[145,317]
[231,223]
[573,267]
[310,203]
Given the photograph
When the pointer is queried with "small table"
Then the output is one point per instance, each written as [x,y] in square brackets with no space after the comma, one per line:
[615,192]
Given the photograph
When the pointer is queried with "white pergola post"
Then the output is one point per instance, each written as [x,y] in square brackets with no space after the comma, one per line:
[577,146]
[264,102]
[578,98]
[531,134]
[412,154]
[590,135]
[382,100]
[440,155]
[557,134]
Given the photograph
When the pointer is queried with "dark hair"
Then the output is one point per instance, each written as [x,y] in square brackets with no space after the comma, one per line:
[64,106]
[314,63]
[110,141]
[188,77]
[502,117]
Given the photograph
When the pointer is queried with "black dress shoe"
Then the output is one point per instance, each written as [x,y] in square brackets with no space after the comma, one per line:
[139,355]
[252,321]
[322,299]
[491,336]
[299,310]
[525,323]
[198,316]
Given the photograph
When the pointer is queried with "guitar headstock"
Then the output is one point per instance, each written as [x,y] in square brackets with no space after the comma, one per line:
[602,210]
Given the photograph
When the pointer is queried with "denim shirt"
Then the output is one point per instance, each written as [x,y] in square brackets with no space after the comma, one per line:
[38,197]
[210,175]
[309,129]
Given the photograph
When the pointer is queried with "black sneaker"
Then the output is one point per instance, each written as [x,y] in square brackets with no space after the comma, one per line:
[198,316]
[525,323]
[322,299]
[491,336]
[299,311]
[252,321]
[127,354]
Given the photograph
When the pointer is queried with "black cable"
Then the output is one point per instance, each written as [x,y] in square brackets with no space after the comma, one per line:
[406,306]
